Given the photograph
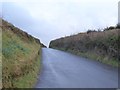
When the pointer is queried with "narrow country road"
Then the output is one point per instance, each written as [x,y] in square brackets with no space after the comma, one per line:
[64,70]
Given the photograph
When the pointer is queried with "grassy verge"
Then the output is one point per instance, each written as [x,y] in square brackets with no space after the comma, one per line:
[20,58]
[103,59]
[29,80]
[93,56]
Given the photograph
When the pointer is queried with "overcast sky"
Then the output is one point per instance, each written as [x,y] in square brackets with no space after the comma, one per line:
[51,19]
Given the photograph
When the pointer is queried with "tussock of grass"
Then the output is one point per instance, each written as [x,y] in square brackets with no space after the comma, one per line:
[20,58]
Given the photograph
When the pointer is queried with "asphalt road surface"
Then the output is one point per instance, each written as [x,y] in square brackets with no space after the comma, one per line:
[65,70]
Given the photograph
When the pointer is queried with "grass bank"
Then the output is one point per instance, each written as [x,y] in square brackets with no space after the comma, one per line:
[20,57]
[102,46]
[93,56]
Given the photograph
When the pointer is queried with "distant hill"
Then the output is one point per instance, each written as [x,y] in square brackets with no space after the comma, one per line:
[98,45]
[21,55]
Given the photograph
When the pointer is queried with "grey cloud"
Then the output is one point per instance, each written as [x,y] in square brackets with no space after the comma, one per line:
[17,15]
[21,18]
[53,20]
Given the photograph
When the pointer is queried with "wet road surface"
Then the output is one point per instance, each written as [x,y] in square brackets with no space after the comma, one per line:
[64,70]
